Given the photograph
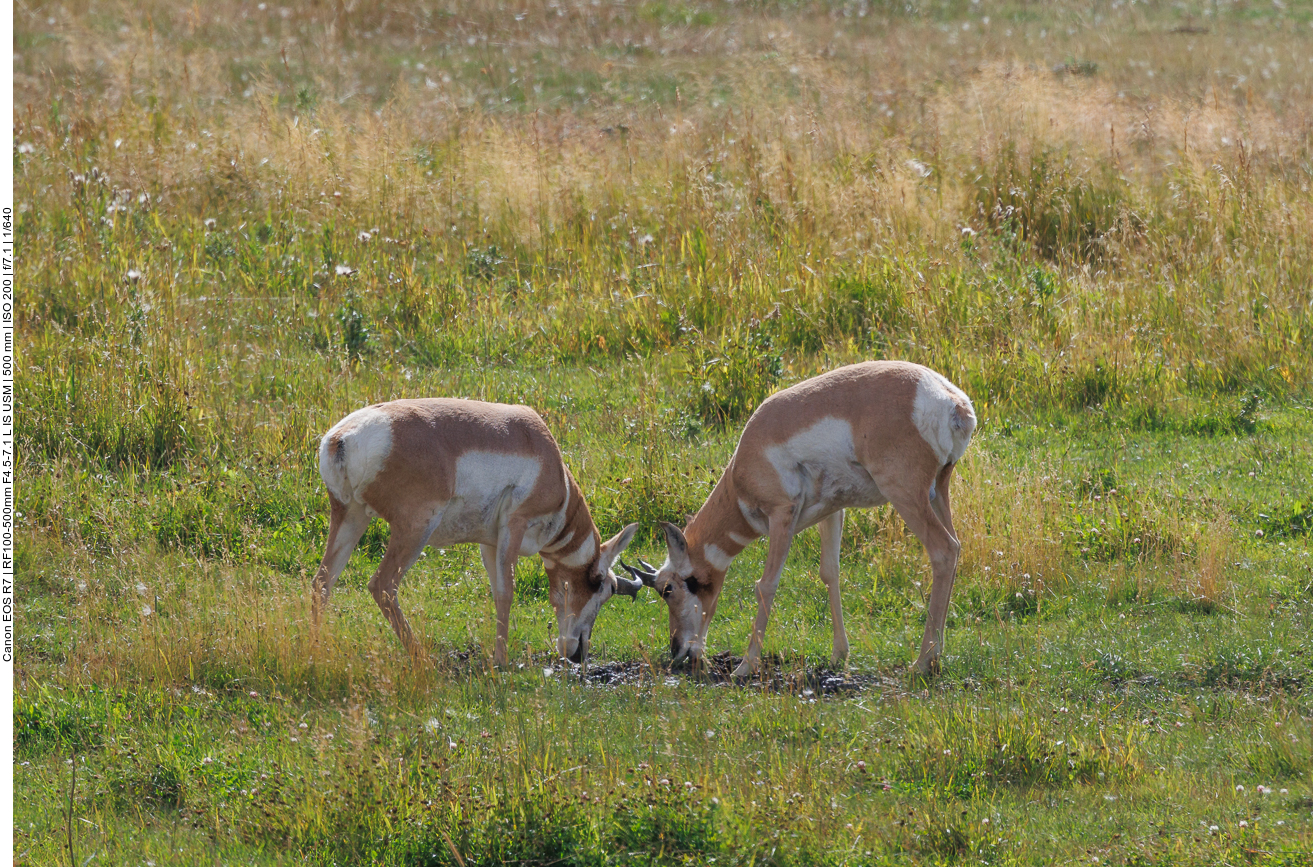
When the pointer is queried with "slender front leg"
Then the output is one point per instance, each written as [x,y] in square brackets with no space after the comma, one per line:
[346,524]
[488,553]
[831,530]
[780,529]
[502,576]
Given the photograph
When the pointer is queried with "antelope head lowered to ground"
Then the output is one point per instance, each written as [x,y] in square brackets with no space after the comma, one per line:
[863,435]
[442,471]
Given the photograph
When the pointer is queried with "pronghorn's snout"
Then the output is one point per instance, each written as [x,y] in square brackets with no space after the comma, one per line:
[685,652]
[573,647]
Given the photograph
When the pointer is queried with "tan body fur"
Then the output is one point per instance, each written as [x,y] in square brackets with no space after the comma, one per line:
[860,436]
[443,471]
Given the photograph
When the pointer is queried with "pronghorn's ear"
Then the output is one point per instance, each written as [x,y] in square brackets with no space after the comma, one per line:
[614,547]
[677,549]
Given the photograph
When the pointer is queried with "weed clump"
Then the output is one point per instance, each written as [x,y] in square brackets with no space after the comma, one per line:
[728,378]
[162,784]
[356,332]
[47,724]
[79,408]
[862,308]
[1295,520]
[549,826]
[967,752]
[943,831]
[1281,752]
[194,524]
[1043,201]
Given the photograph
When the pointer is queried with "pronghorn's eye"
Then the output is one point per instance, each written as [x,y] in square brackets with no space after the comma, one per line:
[667,590]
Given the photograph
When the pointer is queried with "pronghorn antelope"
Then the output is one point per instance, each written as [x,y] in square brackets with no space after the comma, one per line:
[863,435]
[443,471]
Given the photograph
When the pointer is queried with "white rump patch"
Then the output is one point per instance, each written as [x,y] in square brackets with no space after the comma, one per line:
[935,412]
[353,453]
[581,556]
[718,559]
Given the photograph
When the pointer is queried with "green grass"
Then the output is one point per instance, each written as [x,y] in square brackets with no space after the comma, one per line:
[641,220]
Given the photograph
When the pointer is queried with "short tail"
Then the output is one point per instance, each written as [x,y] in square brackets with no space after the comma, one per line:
[332,465]
[962,423]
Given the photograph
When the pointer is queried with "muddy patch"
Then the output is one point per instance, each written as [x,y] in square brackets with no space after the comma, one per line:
[774,675]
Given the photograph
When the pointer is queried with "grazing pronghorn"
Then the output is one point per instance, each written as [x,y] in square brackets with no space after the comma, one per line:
[444,471]
[863,435]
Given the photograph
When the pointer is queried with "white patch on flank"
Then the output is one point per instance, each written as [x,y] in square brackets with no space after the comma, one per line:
[935,414]
[823,448]
[741,541]
[366,441]
[581,556]
[718,559]
[488,486]
[819,471]
[482,478]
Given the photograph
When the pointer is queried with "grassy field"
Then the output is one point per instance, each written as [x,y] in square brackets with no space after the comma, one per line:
[237,222]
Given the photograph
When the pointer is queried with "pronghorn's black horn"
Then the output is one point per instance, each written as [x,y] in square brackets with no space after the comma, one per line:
[627,587]
[647,576]
[648,566]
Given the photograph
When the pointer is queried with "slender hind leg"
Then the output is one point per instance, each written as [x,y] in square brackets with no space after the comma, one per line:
[831,531]
[940,501]
[346,524]
[404,548]
[910,495]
